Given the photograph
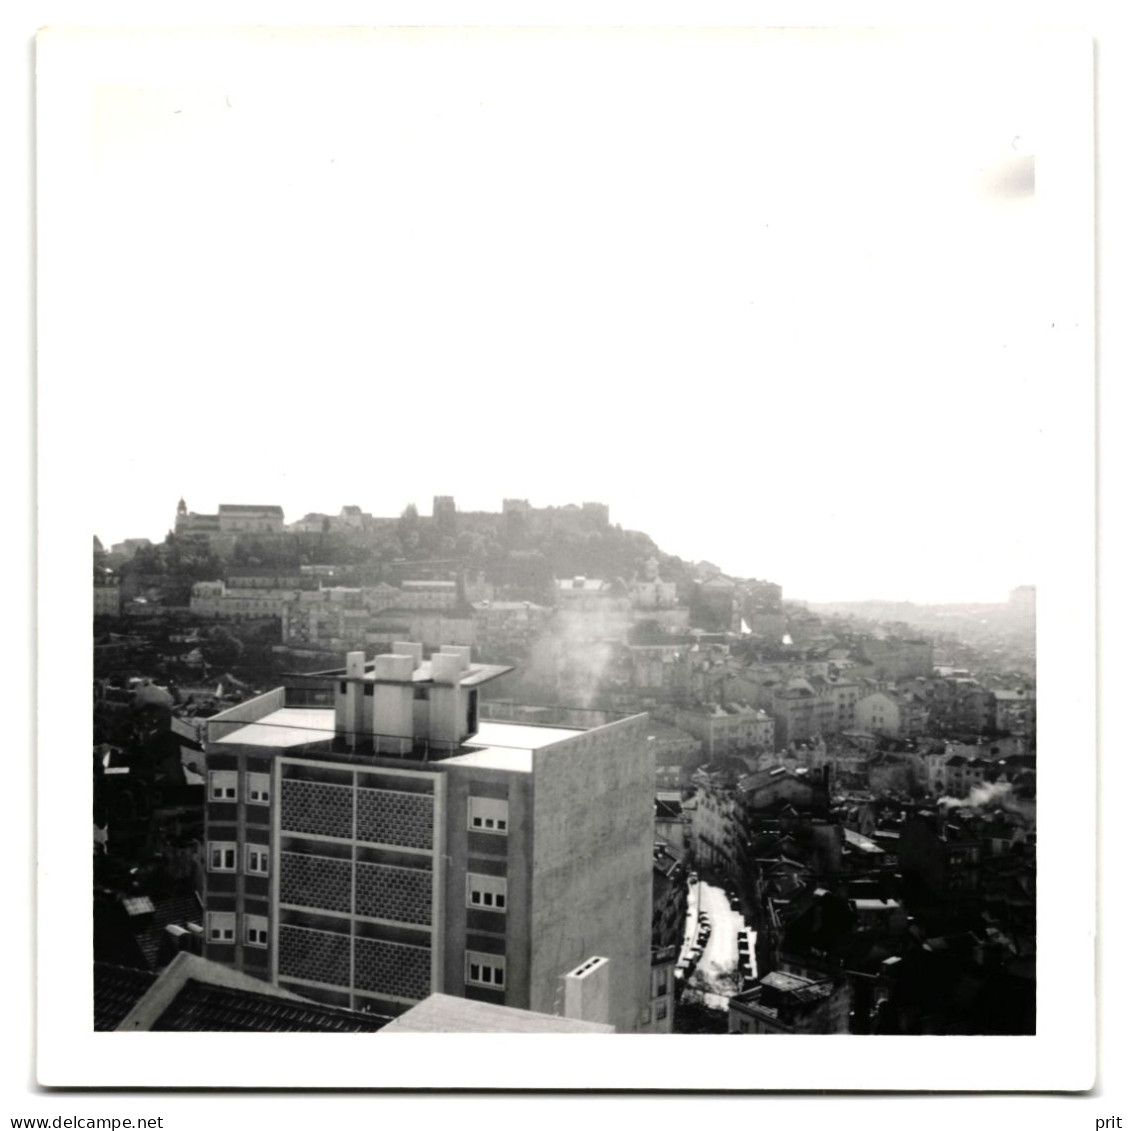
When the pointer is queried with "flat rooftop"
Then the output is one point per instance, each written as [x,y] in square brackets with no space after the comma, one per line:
[289,726]
[442,1013]
[495,746]
[509,746]
[474,675]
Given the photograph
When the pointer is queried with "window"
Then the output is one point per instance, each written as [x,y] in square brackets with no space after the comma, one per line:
[486,814]
[259,788]
[486,891]
[256,860]
[661,1010]
[486,970]
[222,926]
[221,856]
[222,785]
[255,930]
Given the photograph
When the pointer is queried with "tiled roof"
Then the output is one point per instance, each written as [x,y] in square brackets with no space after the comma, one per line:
[203,1008]
[116,990]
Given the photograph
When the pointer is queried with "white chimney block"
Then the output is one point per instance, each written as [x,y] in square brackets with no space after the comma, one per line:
[408,648]
[392,667]
[460,650]
[446,668]
[587,991]
[355,665]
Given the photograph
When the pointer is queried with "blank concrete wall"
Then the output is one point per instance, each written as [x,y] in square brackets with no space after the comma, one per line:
[591,875]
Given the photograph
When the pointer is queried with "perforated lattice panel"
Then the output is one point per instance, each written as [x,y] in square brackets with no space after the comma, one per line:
[402,819]
[314,807]
[401,894]
[393,968]
[315,881]
[317,956]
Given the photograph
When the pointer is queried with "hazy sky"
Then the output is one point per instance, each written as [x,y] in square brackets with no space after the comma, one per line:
[782,300]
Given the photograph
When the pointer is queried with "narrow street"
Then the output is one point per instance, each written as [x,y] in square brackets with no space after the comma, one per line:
[716,974]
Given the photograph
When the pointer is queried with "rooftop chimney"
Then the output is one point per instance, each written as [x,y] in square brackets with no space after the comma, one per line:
[349,702]
[447,703]
[446,668]
[408,648]
[392,701]
[587,991]
[460,650]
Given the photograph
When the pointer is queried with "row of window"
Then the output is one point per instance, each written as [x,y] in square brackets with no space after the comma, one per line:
[224,785]
[484,814]
[489,970]
[482,891]
[222,857]
[221,928]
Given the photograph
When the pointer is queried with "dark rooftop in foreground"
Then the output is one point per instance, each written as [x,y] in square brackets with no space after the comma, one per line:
[204,1008]
[117,989]
[194,995]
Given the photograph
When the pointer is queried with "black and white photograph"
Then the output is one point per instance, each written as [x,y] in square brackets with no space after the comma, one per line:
[591,535]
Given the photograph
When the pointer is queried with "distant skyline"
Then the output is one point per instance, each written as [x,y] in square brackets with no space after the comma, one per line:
[821,590]
[786,301]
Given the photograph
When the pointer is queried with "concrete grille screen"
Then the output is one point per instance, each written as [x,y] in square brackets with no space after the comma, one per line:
[316,881]
[393,968]
[356,890]
[316,956]
[383,816]
[312,807]
[401,894]
[403,819]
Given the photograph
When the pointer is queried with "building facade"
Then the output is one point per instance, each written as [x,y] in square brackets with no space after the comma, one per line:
[217,599]
[370,841]
[107,596]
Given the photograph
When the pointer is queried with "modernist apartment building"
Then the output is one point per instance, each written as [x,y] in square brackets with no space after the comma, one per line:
[370,841]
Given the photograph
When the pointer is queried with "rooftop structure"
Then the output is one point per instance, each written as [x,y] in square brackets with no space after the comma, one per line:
[789,1003]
